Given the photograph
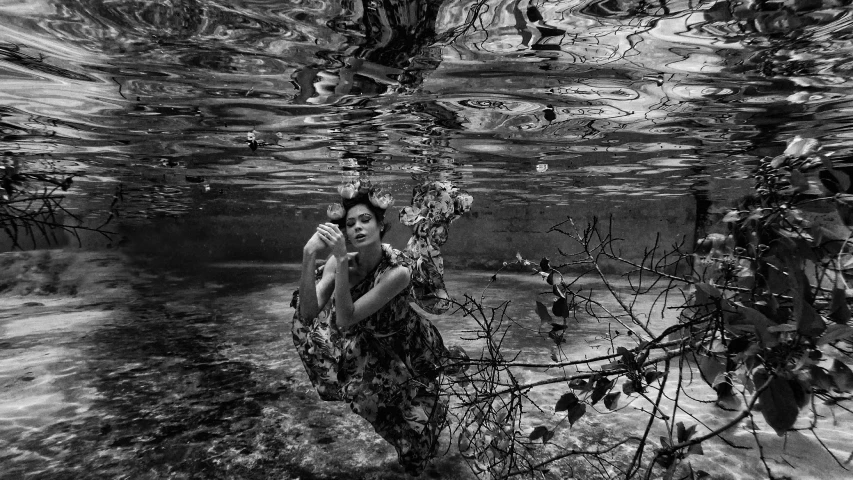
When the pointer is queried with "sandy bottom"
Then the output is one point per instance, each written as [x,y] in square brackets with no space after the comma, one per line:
[116,368]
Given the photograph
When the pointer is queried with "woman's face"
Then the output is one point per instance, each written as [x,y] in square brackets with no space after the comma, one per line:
[362,226]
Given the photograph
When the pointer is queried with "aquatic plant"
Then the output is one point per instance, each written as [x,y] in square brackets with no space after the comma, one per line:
[759,310]
[31,204]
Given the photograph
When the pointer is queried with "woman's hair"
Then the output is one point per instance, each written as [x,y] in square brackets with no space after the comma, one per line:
[363,198]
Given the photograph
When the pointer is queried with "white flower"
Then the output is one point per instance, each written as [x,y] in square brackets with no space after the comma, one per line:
[381,200]
[349,190]
[800,147]
[335,212]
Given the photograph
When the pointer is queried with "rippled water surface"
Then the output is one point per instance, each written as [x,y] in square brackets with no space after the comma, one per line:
[652,112]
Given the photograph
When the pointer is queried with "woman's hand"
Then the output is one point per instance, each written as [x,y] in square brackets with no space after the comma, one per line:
[333,238]
[315,245]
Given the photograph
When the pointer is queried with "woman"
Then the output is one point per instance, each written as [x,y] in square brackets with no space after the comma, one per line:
[358,336]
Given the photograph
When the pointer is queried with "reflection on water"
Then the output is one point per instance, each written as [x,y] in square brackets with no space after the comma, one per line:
[653,112]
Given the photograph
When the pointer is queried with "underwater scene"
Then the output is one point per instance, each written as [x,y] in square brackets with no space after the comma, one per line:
[638,215]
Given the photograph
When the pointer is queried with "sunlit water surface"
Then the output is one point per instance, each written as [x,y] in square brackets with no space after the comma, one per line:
[169,354]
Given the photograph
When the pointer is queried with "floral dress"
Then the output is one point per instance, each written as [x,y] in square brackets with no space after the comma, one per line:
[387,367]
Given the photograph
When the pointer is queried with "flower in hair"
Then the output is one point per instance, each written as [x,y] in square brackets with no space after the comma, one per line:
[349,190]
[336,212]
[381,200]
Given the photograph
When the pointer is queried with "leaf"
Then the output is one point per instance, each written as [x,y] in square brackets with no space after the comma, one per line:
[576,413]
[839,311]
[651,375]
[753,317]
[821,379]
[777,402]
[537,433]
[809,322]
[602,386]
[611,400]
[842,375]
[844,207]
[557,291]
[709,290]
[533,14]
[566,402]
[542,311]
[779,161]
[550,278]
[709,367]
[544,264]
[696,449]
[577,384]
[738,344]
[628,387]
[799,182]
[732,216]
[834,333]
[561,307]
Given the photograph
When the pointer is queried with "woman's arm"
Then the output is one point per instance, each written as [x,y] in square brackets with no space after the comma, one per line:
[389,285]
[314,296]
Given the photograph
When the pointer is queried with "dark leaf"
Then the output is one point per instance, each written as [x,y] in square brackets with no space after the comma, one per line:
[842,375]
[809,323]
[628,387]
[650,375]
[695,449]
[821,379]
[533,14]
[542,311]
[777,402]
[253,145]
[494,278]
[802,392]
[538,432]
[561,307]
[611,400]
[710,290]
[576,413]
[839,311]
[566,402]
[548,436]
[799,182]
[602,386]
[551,277]
[544,264]
[709,367]
[557,291]
[557,335]
[664,442]
[627,357]
[833,180]
[738,344]
[577,384]
[834,333]
[844,207]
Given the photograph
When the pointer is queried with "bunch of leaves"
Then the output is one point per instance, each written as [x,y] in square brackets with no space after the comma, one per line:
[763,319]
